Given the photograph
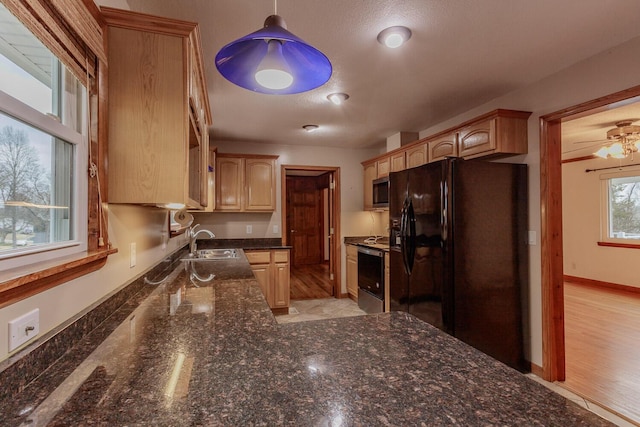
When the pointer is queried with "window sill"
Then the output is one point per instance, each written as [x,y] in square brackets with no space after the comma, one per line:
[28,284]
[620,245]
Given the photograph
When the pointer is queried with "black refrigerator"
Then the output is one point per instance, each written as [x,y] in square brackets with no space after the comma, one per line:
[458,251]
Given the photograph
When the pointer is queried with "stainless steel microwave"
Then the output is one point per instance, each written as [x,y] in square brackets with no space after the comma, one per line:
[381,192]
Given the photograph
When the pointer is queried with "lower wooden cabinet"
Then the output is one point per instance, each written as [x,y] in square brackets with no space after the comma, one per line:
[352,272]
[272,271]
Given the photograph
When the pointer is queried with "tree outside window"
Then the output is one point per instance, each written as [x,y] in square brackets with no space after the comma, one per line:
[624,207]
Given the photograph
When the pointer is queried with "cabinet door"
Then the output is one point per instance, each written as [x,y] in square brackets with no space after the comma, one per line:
[352,271]
[370,173]
[262,272]
[477,138]
[398,162]
[260,191]
[444,146]
[417,156]
[384,166]
[147,128]
[281,285]
[228,183]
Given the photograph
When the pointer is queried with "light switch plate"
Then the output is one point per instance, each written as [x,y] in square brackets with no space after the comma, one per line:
[24,328]
[249,229]
[533,238]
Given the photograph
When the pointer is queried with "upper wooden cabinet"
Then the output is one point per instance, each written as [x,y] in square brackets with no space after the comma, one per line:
[370,173]
[229,183]
[417,155]
[397,161]
[383,167]
[245,183]
[158,111]
[502,132]
[443,146]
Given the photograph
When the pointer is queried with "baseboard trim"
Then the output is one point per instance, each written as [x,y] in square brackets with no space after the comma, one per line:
[600,284]
[537,370]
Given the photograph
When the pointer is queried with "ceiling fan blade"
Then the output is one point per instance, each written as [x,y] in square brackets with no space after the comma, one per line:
[598,141]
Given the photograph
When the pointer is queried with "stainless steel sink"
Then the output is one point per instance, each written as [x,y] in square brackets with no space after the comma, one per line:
[212,254]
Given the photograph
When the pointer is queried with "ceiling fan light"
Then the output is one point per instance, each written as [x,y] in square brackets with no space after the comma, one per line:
[603,152]
[616,151]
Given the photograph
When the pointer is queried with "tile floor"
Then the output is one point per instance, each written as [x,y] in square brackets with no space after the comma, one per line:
[318,309]
[328,308]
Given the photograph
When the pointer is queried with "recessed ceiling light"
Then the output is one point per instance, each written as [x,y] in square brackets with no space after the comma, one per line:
[394,37]
[337,98]
[310,128]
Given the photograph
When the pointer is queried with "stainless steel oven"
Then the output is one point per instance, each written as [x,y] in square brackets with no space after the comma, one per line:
[371,279]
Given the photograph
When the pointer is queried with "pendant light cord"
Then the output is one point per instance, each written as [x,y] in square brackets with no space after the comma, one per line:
[275,7]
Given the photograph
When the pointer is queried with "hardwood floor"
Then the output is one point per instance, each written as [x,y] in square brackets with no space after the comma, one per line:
[602,338]
[311,282]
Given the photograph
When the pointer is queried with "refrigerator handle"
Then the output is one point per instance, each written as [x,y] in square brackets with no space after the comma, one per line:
[444,204]
[411,225]
[403,236]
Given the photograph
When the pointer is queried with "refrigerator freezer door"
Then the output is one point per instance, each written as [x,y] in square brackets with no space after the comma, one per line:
[427,281]
[398,277]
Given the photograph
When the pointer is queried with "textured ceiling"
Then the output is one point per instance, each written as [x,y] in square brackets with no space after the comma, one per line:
[461,55]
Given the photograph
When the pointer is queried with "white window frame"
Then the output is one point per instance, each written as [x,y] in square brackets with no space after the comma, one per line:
[31,255]
[604,205]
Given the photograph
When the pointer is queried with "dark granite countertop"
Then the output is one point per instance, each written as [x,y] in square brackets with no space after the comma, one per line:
[381,243]
[208,352]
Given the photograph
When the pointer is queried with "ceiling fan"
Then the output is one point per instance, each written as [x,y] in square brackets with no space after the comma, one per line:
[624,140]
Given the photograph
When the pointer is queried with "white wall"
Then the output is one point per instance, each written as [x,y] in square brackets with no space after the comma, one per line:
[590,79]
[354,221]
[581,207]
[147,227]
[584,81]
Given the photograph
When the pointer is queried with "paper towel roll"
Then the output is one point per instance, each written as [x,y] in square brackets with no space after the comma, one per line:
[183,218]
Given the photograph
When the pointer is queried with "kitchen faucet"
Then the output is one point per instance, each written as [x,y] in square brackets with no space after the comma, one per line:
[193,236]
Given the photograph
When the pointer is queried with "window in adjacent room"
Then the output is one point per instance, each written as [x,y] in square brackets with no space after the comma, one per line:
[621,207]
[43,151]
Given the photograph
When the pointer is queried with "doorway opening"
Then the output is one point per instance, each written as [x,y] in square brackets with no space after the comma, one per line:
[310,221]
[555,284]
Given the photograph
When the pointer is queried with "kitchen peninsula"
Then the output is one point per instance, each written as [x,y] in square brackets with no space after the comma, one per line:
[203,348]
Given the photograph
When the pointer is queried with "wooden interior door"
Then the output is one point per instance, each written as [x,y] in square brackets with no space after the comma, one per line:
[304,211]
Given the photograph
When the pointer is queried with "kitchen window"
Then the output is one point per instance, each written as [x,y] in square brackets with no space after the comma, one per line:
[43,149]
[621,207]
[53,109]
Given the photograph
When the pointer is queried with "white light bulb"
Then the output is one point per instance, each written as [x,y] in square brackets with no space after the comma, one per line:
[273,72]
[394,40]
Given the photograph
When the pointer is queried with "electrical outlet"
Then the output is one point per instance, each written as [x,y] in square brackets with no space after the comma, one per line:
[249,229]
[132,255]
[275,229]
[23,329]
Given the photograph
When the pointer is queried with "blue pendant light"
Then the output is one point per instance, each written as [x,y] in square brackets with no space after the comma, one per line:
[274,61]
